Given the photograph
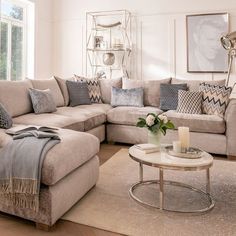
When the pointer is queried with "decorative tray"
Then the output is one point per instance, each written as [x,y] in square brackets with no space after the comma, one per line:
[192,153]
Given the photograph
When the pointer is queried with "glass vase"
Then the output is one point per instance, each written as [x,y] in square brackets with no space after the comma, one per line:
[155,138]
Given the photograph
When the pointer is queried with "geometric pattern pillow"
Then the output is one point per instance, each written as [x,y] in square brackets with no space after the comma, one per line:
[5,118]
[93,87]
[169,95]
[189,102]
[215,98]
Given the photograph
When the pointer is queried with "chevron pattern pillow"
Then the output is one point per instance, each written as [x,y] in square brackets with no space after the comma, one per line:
[215,98]
[93,87]
[189,102]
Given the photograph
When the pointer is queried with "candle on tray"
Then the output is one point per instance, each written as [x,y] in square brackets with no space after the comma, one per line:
[184,138]
[177,146]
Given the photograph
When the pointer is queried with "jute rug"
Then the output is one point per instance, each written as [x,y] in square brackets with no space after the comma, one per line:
[109,207]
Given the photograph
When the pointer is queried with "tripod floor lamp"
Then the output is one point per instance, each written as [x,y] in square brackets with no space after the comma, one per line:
[229,43]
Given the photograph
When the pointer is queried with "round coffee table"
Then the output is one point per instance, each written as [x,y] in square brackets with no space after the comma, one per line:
[163,161]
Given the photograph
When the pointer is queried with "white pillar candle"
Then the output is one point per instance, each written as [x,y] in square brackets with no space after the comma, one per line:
[177,146]
[184,138]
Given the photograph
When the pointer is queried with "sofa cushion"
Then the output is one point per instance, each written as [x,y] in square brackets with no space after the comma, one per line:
[151,89]
[91,115]
[198,123]
[93,88]
[127,97]
[63,87]
[193,85]
[78,93]
[53,86]
[10,92]
[50,119]
[169,95]
[215,98]
[189,102]
[75,149]
[106,86]
[129,115]
[5,118]
[42,101]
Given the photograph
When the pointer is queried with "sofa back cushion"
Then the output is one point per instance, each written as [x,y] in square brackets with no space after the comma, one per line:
[106,87]
[14,96]
[193,85]
[63,87]
[151,89]
[53,86]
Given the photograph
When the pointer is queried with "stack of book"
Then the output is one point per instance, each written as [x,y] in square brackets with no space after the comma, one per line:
[147,148]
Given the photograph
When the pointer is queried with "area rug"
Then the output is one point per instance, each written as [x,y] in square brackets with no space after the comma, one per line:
[109,207]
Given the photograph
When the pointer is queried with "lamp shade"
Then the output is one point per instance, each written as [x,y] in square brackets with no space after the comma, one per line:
[229,41]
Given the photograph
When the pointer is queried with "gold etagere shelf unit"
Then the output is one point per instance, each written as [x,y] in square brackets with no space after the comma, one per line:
[108,43]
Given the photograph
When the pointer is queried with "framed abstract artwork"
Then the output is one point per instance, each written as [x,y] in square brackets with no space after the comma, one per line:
[205,53]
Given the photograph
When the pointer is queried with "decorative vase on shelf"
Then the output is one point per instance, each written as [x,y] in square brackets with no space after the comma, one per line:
[155,138]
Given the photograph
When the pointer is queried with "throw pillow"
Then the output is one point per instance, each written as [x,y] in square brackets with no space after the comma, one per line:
[215,98]
[93,87]
[127,97]
[5,119]
[151,89]
[42,101]
[189,102]
[169,95]
[78,93]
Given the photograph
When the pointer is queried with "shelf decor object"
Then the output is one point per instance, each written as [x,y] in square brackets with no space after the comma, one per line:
[108,43]
[229,43]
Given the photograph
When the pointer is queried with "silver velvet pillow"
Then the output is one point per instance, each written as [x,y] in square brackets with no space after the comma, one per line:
[5,118]
[42,101]
[127,97]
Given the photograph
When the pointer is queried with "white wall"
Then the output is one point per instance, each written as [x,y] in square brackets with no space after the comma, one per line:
[43,39]
[160,41]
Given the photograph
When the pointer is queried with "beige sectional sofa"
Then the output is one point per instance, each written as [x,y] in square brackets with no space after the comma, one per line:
[71,167]
[209,132]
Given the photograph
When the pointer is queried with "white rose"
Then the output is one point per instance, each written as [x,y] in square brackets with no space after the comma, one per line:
[163,118]
[150,120]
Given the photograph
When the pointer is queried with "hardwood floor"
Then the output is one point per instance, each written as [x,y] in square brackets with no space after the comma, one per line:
[11,226]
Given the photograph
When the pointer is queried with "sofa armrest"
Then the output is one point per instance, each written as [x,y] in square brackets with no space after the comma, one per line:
[230,118]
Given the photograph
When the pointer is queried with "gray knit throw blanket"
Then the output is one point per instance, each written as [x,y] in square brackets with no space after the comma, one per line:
[20,168]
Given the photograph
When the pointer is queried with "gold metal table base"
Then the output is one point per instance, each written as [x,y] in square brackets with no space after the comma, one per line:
[161,183]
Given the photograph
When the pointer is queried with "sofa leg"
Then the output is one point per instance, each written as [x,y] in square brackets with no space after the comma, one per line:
[231,158]
[43,227]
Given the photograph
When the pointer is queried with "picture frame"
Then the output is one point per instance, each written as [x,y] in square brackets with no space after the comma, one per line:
[98,40]
[205,53]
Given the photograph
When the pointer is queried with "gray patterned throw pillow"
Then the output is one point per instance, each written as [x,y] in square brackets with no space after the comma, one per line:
[169,95]
[5,118]
[189,102]
[127,97]
[78,93]
[42,101]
